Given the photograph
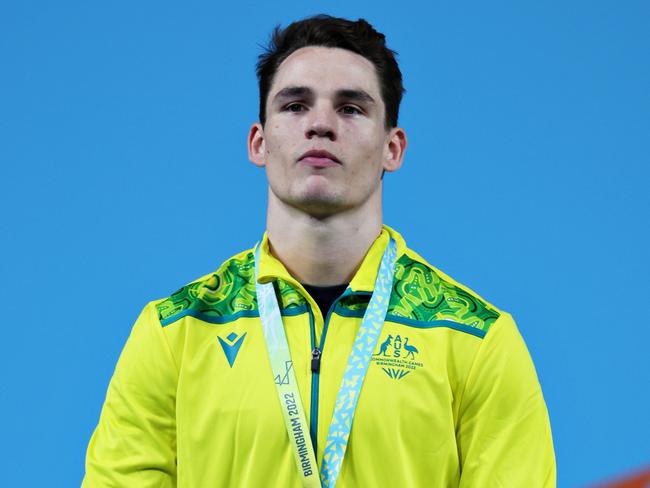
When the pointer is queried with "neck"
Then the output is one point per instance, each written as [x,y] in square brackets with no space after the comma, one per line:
[322,251]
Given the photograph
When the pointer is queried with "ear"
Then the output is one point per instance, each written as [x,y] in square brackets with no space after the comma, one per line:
[394,150]
[257,145]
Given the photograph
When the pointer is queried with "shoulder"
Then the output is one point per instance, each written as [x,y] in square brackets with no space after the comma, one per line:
[217,297]
[424,296]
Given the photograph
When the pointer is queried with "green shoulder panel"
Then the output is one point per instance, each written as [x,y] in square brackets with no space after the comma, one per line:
[225,295]
[422,296]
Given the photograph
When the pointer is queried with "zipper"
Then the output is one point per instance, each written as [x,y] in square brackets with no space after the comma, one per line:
[313,405]
[316,355]
[315,360]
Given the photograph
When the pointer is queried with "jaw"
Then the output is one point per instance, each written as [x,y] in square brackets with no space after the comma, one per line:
[322,200]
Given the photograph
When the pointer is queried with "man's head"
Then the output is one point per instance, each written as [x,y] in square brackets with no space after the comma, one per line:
[325,31]
[326,134]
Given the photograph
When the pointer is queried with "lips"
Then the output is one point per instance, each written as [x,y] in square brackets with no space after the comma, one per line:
[319,159]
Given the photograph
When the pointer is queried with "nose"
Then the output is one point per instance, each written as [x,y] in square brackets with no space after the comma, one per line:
[321,122]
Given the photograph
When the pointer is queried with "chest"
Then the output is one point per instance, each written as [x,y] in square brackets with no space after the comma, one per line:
[226,389]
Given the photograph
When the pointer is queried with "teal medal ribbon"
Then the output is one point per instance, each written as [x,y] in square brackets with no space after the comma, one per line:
[353,376]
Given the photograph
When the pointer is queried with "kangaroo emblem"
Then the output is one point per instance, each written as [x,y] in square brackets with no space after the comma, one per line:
[384,346]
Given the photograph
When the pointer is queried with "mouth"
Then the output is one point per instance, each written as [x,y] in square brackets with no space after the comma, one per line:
[319,159]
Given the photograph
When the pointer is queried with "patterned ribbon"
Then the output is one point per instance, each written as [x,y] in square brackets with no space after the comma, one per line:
[353,376]
[285,380]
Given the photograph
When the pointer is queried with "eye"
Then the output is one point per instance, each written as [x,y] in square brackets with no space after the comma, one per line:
[350,110]
[294,107]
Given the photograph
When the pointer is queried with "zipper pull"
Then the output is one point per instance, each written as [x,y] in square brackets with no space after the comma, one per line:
[315,360]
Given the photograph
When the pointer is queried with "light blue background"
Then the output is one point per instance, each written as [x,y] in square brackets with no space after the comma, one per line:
[125,175]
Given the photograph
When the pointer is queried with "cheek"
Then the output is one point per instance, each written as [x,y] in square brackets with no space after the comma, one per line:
[367,143]
[279,143]
[371,156]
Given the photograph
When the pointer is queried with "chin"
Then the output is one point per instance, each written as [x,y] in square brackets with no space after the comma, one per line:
[316,197]
[318,193]
[319,204]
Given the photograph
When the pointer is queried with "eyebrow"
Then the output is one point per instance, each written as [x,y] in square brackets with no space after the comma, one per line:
[293,92]
[306,92]
[355,95]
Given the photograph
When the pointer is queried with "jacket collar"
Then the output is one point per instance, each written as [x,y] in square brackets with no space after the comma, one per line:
[270,268]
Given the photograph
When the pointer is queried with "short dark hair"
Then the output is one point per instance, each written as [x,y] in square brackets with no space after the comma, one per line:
[327,31]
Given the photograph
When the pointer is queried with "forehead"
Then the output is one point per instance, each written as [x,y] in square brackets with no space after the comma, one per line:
[326,69]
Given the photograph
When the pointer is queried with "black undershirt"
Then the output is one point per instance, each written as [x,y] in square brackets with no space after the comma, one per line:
[325,295]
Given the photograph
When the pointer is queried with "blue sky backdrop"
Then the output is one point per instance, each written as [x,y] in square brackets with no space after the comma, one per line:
[125,176]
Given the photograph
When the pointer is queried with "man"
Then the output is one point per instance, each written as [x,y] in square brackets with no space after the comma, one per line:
[330,353]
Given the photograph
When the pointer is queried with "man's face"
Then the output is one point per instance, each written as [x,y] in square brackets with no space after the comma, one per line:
[324,144]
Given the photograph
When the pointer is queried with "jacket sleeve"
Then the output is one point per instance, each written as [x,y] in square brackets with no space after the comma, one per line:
[503,432]
[134,443]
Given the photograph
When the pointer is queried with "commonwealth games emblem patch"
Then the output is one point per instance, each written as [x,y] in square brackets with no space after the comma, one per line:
[396,356]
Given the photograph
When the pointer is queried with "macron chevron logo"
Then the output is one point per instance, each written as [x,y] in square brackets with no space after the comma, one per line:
[231,345]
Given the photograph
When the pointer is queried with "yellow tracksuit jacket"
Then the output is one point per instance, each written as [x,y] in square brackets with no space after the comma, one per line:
[451,397]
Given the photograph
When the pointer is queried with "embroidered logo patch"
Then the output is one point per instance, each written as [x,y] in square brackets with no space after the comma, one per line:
[231,345]
[396,357]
